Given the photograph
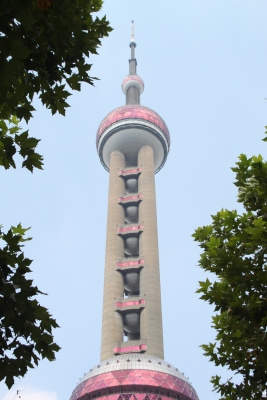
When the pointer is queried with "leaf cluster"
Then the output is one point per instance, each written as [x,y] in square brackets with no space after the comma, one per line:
[12,141]
[43,50]
[235,250]
[44,46]
[25,325]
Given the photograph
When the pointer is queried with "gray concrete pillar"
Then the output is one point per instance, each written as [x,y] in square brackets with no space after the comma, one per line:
[112,324]
[151,316]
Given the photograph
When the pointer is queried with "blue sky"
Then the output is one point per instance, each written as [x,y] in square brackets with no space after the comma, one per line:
[204,66]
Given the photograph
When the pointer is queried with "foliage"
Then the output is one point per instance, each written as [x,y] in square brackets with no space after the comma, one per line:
[44,46]
[43,49]
[11,142]
[25,326]
[235,250]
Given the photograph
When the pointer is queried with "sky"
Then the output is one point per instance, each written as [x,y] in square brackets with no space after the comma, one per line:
[204,66]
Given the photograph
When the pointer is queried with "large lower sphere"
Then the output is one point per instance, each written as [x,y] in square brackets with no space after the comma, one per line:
[134,377]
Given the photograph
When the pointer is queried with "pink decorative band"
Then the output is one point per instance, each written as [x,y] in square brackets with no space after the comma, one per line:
[130,171]
[129,263]
[130,349]
[138,197]
[109,385]
[130,228]
[130,303]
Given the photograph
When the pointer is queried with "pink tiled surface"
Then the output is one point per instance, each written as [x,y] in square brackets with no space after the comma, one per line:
[132,112]
[130,228]
[129,171]
[134,378]
[130,303]
[128,198]
[132,78]
[129,349]
[129,263]
[134,396]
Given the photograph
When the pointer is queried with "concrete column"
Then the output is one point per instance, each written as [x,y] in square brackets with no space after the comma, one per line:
[112,324]
[151,316]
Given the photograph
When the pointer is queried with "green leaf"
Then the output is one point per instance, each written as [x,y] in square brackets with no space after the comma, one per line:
[19,50]
[18,230]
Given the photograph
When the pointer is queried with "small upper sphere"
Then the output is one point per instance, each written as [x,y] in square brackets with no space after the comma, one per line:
[132,80]
[127,129]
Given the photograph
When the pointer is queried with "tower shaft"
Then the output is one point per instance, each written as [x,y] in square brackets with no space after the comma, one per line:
[132,320]
[151,316]
[112,324]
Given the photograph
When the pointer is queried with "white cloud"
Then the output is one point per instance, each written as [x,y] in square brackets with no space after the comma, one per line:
[28,393]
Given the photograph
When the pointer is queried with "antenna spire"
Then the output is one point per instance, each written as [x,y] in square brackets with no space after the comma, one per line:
[132,61]
[132,39]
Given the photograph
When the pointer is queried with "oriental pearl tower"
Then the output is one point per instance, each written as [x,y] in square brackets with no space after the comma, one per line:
[133,143]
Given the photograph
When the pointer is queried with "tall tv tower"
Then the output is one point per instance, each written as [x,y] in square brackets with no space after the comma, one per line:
[133,143]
